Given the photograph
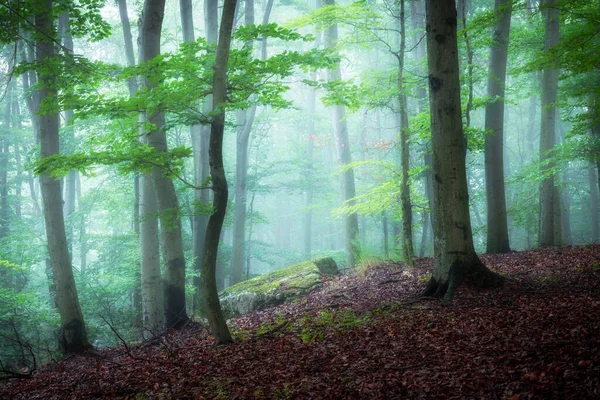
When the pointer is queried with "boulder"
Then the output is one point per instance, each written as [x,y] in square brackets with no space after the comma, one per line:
[276,287]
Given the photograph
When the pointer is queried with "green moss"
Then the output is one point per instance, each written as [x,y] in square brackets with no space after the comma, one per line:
[295,276]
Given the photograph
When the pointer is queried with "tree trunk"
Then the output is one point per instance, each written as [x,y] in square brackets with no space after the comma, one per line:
[548,195]
[417,11]
[153,316]
[199,138]
[245,119]
[200,145]
[454,253]
[340,128]
[73,335]
[70,185]
[214,314]
[497,227]
[170,222]
[5,134]
[594,205]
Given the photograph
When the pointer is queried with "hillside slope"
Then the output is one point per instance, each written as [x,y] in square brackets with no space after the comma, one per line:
[363,336]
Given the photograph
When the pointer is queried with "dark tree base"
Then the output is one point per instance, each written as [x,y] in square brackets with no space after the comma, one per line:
[474,273]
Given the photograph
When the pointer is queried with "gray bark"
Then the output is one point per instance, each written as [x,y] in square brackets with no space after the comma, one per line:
[455,259]
[408,250]
[214,313]
[200,145]
[245,120]
[170,222]
[497,226]
[73,335]
[549,198]
[594,205]
[340,128]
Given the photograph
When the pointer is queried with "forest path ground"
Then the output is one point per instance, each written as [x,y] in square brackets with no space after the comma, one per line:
[362,336]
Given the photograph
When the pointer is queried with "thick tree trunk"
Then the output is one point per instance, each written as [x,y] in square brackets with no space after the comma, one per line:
[455,257]
[73,335]
[214,314]
[170,222]
[340,128]
[549,198]
[497,227]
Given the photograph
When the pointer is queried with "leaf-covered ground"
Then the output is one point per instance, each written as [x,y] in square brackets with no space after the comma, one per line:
[362,336]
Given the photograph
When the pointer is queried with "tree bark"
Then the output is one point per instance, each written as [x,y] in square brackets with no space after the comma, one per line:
[594,216]
[549,199]
[340,128]
[245,119]
[73,335]
[200,145]
[455,259]
[408,249]
[170,222]
[5,134]
[214,314]
[497,227]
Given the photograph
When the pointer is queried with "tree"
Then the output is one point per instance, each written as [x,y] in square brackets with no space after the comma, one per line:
[407,235]
[497,227]
[170,222]
[214,314]
[340,127]
[455,259]
[245,120]
[549,196]
[199,135]
[73,334]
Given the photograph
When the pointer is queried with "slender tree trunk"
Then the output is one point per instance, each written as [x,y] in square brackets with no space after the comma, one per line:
[549,208]
[417,12]
[594,216]
[18,164]
[245,120]
[340,128]
[73,335]
[199,138]
[386,236]
[408,250]
[153,316]
[202,170]
[170,222]
[68,138]
[497,227]
[214,314]
[5,134]
[454,253]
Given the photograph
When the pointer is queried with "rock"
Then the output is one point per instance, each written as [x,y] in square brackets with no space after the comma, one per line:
[275,288]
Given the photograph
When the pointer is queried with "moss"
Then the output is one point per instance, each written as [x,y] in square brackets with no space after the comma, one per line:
[298,275]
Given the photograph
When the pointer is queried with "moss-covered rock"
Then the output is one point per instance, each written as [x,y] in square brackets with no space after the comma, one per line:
[275,288]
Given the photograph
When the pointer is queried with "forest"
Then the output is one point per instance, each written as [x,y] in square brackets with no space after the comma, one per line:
[442,155]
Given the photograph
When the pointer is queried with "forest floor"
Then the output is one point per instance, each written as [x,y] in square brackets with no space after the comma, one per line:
[363,336]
